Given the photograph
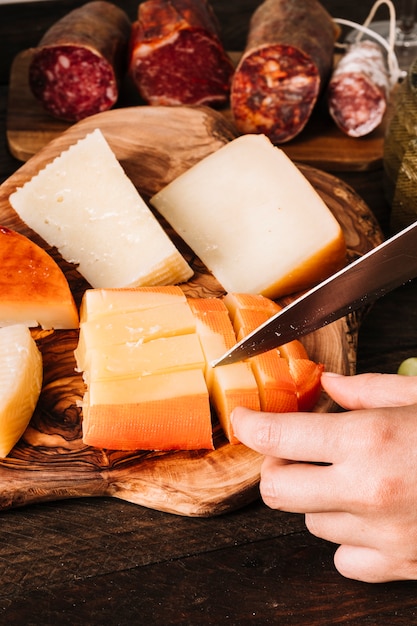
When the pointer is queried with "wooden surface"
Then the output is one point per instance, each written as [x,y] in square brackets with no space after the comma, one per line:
[107,562]
[321,143]
[154,145]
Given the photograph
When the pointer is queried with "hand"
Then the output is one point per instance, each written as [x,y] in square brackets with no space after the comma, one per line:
[365,498]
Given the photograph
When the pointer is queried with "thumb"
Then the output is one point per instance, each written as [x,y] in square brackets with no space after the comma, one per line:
[367,391]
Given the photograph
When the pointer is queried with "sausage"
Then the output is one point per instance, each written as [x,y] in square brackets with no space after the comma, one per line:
[176,55]
[358,90]
[286,63]
[79,63]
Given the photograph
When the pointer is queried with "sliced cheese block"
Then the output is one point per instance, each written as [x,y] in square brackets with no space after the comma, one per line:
[254,220]
[229,385]
[33,289]
[128,360]
[20,383]
[161,412]
[84,204]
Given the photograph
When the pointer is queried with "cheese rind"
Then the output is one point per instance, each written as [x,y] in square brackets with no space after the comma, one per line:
[84,204]
[254,220]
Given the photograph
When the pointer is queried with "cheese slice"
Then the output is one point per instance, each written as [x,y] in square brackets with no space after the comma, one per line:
[254,220]
[97,303]
[33,289]
[20,383]
[129,360]
[84,204]
[229,385]
[136,327]
[161,412]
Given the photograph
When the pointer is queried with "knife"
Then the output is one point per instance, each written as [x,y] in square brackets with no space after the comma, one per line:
[379,271]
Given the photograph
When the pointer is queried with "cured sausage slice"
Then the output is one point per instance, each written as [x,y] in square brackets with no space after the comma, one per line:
[359,88]
[78,65]
[286,62]
[176,56]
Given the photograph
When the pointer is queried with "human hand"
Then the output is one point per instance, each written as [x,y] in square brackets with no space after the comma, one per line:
[365,498]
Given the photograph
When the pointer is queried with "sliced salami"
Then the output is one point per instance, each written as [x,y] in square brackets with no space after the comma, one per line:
[286,63]
[359,89]
[78,65]
[176,55]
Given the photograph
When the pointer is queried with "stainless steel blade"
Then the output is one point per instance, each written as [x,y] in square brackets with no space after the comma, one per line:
[377,272]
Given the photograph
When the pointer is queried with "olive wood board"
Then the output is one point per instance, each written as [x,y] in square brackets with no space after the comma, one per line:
[50,462]
[321,144]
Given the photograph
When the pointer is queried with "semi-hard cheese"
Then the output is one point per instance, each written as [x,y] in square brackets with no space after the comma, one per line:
[84,204]
[33,289]
[20,383]
[254,219]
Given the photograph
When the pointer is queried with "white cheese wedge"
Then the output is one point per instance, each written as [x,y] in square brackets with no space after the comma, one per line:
[254,219]
[20,383]
[84,204]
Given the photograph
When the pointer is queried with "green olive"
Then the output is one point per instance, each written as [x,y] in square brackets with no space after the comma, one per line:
[408,367]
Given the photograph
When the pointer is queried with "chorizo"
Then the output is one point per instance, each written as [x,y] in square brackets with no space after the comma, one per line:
[176,55]
[358,90]
[287,60]
[78,65]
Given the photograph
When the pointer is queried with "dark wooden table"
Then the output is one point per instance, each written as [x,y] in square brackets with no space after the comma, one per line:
[104,561]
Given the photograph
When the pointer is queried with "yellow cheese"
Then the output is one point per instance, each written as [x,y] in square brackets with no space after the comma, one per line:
[255,221]
[160,412]
[84,204]
[229,385]
[97,303]
[20,383]
[130,360]
[133,328]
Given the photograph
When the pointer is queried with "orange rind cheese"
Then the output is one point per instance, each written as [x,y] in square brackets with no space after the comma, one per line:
[155,390]
[33,289]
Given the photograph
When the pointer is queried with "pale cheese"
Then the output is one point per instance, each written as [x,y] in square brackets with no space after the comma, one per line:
[84,204]
[20,383]
[254,219]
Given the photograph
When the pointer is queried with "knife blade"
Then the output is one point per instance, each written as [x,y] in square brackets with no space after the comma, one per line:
[379,271]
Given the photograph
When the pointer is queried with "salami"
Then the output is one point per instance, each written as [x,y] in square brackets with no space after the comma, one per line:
[176,55]
[286,63]
[78,65]
[359,88]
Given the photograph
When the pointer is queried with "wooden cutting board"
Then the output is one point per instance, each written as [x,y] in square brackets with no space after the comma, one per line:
[321,144]
[154,145]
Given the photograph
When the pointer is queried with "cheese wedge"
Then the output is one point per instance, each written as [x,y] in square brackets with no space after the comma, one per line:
[20,383]
[254,220]
[33,289]
[84,204]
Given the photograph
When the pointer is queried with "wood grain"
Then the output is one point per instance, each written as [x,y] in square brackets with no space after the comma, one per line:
[321,144]
[154,145]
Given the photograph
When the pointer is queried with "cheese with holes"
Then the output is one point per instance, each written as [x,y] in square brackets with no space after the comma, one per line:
[254,219]
[20,383]
[84,204]
[33,289]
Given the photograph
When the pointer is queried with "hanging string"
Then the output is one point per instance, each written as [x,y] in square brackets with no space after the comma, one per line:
[388,44]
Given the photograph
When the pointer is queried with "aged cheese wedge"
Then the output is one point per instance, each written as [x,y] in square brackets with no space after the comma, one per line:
[254,220]
[20,383]
[229,385]
[84,204]
[33,289]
